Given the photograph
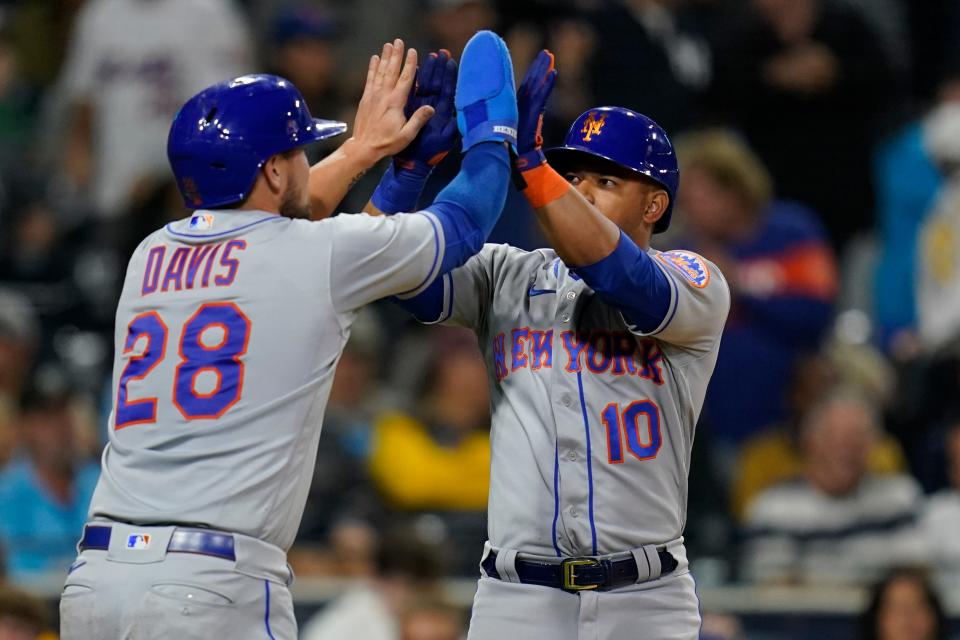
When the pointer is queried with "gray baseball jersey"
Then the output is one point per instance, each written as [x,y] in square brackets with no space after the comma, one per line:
[593,421]
[228,331]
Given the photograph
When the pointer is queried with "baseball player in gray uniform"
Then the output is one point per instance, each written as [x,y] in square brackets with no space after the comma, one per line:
[230,326]
[599,352]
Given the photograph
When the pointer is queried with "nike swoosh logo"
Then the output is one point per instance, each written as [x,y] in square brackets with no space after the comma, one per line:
[539,292]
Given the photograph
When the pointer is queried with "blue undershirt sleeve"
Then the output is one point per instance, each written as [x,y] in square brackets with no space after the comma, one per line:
[628,280]
[467,208]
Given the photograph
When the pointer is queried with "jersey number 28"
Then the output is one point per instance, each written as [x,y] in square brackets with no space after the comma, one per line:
[222,359]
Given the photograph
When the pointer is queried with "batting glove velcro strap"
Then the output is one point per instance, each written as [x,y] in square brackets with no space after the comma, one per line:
[486,97]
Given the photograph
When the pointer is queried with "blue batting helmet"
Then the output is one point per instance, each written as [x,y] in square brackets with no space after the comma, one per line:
[222,136]
[628,139]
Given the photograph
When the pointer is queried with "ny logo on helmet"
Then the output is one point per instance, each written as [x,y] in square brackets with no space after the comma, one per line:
[592,126]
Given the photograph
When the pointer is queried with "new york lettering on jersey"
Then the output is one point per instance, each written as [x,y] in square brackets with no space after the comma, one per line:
[582,397]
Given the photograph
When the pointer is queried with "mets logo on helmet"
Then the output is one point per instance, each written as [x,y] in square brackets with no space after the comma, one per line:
[592,125]
[691,266]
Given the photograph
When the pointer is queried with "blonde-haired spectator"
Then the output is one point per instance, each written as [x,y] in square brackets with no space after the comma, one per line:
[780,268]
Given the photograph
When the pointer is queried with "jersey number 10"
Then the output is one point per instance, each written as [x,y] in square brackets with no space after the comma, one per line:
[640,422]
[222,360]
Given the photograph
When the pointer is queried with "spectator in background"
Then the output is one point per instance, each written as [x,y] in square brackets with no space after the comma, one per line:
[131,63]
[45,491]
[908,181]
[775,455]
[938,288]
[840,523]
[450,23]
[19,102]
[808,81]
[343,503]
[941,519]
[903,606]
[648,62]
[304,51]
[781,273]
[432,619]
[437,458]
[18,344]
[22,616]
[408,567]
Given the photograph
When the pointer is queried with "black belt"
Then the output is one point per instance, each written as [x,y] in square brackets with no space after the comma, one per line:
[579,574]
[218,544]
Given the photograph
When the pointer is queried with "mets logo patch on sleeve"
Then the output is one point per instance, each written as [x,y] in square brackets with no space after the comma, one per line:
[691,266]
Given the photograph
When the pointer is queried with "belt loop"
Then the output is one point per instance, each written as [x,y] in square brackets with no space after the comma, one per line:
[656,569]
[506,565]
[487,550]
[648,563]
[644,569]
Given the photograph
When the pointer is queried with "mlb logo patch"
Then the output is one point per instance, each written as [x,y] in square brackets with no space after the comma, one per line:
[201,222]
[138,541]
[692,267]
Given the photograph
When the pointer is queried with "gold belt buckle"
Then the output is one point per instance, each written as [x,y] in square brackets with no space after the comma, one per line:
[569,566]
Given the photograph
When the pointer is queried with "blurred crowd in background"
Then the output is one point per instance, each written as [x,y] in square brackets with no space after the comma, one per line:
[819,143]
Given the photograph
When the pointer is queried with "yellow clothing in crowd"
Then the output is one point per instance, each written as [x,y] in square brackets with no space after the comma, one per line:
[772,457]
[412,471]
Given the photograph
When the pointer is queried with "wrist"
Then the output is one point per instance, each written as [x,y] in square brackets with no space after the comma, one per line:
[543,185]
[411,168]
[399,189]
[360,154]
[530,159]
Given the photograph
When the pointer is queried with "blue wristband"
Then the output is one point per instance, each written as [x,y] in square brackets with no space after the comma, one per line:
[400,187]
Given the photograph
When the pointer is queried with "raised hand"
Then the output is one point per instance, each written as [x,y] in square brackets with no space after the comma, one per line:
[531,104]
[381,127]
[435,87]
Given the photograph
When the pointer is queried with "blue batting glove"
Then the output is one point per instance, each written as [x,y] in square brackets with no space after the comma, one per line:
[436,85]
[531,104]
[486,97]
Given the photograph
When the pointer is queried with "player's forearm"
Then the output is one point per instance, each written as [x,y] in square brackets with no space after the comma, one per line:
[579,233]
[332,177]
[469,207]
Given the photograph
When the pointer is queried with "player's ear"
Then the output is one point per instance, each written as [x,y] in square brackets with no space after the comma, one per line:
[272,171]
[656,206]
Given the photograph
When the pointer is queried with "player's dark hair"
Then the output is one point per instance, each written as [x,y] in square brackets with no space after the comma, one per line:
[870,620]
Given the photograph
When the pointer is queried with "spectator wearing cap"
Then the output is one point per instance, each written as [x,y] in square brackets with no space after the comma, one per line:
[436,458]
[781,272]
[838,523]
[45,491]
[303,49]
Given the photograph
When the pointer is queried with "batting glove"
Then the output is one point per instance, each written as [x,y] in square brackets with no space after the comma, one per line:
[436,85]
[486,97]
[532,99]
